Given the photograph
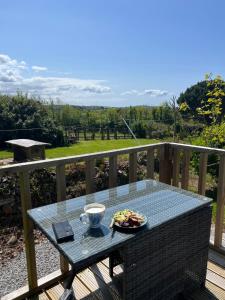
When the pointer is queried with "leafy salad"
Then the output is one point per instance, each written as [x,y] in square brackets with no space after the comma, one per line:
[127,218]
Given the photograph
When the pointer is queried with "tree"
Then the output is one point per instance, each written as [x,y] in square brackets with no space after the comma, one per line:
[23,117]
[197,97]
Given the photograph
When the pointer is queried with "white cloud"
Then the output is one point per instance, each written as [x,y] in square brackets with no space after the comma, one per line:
[149,92]
[14,78]
[130,93]
[39,68]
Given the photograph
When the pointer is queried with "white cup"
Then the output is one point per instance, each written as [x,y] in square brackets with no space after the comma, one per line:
[93,214]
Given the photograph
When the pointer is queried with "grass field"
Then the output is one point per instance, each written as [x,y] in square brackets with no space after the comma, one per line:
[88,147]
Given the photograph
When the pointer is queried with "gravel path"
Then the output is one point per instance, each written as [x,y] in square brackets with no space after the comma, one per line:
[13,275]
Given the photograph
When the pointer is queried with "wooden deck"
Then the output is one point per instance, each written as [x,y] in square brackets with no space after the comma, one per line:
[95,283]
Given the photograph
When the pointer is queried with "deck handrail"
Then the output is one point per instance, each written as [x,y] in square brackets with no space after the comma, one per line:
[174,161]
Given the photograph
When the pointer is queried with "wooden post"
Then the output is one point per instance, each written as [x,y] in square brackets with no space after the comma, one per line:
[165,164]
[24,181]
[185,169]
[150,163]
[133,167]
[176,167]
[202,173]
[220,203]
[90,174]
[61,196]
[112,171]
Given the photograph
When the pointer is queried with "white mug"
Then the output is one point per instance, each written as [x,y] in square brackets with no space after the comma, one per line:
[93,214]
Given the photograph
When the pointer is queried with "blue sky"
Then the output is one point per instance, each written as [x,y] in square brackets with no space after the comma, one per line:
[109,52]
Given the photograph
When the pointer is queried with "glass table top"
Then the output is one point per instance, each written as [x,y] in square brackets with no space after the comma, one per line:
[159,202]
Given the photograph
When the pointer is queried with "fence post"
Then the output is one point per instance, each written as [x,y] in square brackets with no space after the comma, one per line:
[150,163]
[202,173]
[132,167]
[24,181]
[165,164]
[61,196]
[220,203]
[90,174]
[113,171]
[185,170]
[176,167]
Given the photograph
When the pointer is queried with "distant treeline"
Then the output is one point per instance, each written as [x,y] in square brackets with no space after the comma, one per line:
[25,117]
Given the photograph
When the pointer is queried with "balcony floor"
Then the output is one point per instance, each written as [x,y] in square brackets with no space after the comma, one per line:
[95,283]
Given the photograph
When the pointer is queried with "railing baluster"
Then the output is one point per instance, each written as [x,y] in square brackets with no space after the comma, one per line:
[150,163]
[176,167]
[61,196]
[220,203]
[202,173]
[185,169]
[165,164]
[112,171]
[133,167]
[90,174]
[24,181]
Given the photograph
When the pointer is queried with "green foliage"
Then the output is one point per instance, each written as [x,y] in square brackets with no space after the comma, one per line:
[20,112]
[213,106]
[201,98]
[214,135]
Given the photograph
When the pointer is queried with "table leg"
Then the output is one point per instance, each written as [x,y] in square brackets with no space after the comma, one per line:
[68,293]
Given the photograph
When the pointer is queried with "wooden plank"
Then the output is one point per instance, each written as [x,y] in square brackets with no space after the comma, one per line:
[24,181]
[150,163]
[61,196]
[202,173]
[133,167]
[211,292]
[55,292]
[116,270]
[216,279]
[81,291]
[90,174]
[43,296]
[215,290]
[197,148]
[112,171]
[220,203]
[165,164]
[185,169]
[216,269]
[28,166]
[176,167]
[217,258]
[94,284]
[102,272]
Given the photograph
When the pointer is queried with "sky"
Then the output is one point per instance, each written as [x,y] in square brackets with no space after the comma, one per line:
[109,52]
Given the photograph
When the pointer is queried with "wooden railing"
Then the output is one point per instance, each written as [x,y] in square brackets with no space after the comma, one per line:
[174,162]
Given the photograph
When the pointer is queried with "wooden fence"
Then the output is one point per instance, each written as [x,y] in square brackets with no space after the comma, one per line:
[174,164]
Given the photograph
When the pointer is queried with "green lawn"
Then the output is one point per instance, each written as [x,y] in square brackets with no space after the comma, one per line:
[88,147]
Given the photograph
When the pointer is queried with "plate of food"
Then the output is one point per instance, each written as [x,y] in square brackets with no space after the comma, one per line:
[128,220]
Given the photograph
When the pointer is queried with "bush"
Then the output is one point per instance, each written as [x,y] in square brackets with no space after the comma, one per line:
[20,114]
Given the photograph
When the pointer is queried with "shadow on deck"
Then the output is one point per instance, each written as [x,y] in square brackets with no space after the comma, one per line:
[96,284]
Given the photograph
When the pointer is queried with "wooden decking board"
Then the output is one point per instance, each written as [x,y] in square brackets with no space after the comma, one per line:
[55,292]
[81,291]
[217,258]
[95,283]
[215,290]
[102,272]
[216,279]
[216,269]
